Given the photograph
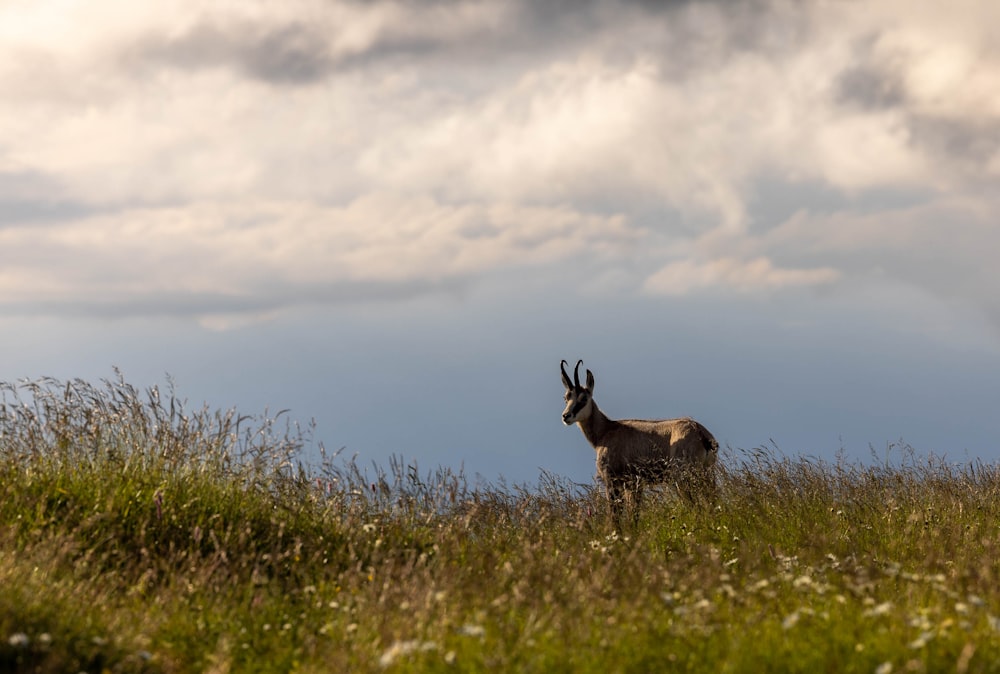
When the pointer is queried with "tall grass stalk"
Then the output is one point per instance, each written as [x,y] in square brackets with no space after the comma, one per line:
[137,535]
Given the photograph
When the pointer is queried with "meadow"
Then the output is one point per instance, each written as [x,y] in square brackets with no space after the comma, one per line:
[137,535]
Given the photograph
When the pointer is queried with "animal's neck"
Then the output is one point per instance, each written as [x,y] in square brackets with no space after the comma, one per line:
[595,426]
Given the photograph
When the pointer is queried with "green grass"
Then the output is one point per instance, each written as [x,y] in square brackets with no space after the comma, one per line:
[139,536]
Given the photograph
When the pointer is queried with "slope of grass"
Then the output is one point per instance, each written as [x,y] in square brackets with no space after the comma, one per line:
[138,536]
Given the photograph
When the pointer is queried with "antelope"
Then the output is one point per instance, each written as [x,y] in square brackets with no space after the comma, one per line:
[634,452]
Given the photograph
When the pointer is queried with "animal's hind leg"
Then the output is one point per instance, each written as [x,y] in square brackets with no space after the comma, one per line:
[634,501]
[617,501]
[711,489]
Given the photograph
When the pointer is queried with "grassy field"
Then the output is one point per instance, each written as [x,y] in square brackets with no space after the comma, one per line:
[140,536]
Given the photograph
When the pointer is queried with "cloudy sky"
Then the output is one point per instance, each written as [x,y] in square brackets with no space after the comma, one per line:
[395,218]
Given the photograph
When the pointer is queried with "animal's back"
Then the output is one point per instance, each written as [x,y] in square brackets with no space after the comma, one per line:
[682,438]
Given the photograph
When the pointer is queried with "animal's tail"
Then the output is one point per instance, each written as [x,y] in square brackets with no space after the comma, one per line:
[708,440]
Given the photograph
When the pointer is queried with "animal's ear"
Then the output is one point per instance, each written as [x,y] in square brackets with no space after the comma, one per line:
[590,381]
[565,377]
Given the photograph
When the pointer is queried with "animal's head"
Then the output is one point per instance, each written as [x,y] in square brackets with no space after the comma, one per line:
[579,399]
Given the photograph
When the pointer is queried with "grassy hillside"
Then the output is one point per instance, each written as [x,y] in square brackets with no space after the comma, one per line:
[140,536]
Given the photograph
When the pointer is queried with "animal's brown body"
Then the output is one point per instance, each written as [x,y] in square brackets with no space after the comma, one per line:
[634,452]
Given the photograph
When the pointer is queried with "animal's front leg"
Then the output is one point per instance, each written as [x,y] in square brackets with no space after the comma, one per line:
[697,484]
[615,491]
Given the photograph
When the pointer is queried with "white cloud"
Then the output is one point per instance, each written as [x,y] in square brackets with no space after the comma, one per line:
[256,256]
[944,247]
[743,276]
[284,150]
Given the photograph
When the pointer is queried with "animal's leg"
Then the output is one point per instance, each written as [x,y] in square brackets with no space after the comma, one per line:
[698,485]
[711,489]
[616,496]
[635,503]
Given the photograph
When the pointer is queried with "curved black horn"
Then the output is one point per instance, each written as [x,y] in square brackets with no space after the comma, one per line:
[576,373]
[562,366]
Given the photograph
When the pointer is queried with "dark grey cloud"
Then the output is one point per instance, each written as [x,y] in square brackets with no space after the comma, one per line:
[31,197]
[27,211]
[872,81]
[297,53]
[286,54]
[969,141]
[291,54]
[955,140]
[275,297]
[773,200]
[871,87]
[27,185]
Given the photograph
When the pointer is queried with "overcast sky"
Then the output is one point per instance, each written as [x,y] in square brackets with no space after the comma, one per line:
[781,218]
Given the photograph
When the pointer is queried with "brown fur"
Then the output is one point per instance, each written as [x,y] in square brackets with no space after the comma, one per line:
[634,452]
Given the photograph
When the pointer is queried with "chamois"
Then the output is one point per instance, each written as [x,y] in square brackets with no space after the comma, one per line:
[634,452]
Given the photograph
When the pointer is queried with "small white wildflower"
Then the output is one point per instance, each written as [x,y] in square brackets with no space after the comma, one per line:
[880,610]
[19,640]
[470,630]
[994,622]
[368,528]
[403,648]
[976,601]
[790,621]
[961,608]
[921,641]
[802,581]
[884,668]
[787,562]
[730,562]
